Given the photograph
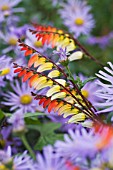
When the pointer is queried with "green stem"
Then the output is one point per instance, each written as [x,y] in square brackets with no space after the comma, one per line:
[69,72]
[28,147]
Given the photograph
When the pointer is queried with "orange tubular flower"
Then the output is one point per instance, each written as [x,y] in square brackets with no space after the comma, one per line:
[106,134]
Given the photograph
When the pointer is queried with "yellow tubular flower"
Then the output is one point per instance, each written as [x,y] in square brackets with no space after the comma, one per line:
[76,55]
[71,112]
[61,81]
[65,42]
[42,83]
[87,123]
[71,46]
[47,84]
[40,80]
[58,95]
[40,61]
[54,73]
[54,89]
[60,31]
[45,67]
[60,40]
[64,109]
[76,118]
[70,99]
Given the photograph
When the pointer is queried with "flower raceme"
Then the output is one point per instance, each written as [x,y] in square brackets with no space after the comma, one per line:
[57,38]
[60,97]
[54,37]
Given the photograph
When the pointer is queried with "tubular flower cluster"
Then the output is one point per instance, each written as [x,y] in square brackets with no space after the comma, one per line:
[60,97]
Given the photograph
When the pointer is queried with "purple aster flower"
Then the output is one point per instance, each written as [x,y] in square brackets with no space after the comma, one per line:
[21,99]
[11,37]
[7,7]
[77,17]
[89,89]
[106,89]
[21,162]
[107,156]
[6,67]
[19,31]
[50,160]
[2,82]
[9,140]
[102,41]
[1,17]
[78,144]
[32,41]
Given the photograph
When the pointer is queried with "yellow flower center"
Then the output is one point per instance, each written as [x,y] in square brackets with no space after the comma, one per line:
[38,44]
[5,8]
[5,72]
[79,21]
[3,167]
[85,93]
[26,99]
[2,142]
[13,41]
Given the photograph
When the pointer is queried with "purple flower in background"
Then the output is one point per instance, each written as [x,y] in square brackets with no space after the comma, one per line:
[89,89]
[102,41]
[19,31]
[107,156]
[106,89]
[9,140]
[19,162]
[21,99]
[77,17]
[11,37]
[49,160]
[6,68]
[2,82]
[17,121]
[1,17]
[32,41]
[78,144]
[7,7]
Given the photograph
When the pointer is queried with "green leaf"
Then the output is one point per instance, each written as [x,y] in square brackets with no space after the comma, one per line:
[48,135]
[110,115]
[32,121]
[33,114]
[2,115]
[89,79]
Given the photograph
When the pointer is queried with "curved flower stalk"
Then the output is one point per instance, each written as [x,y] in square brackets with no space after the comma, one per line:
[43,73]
